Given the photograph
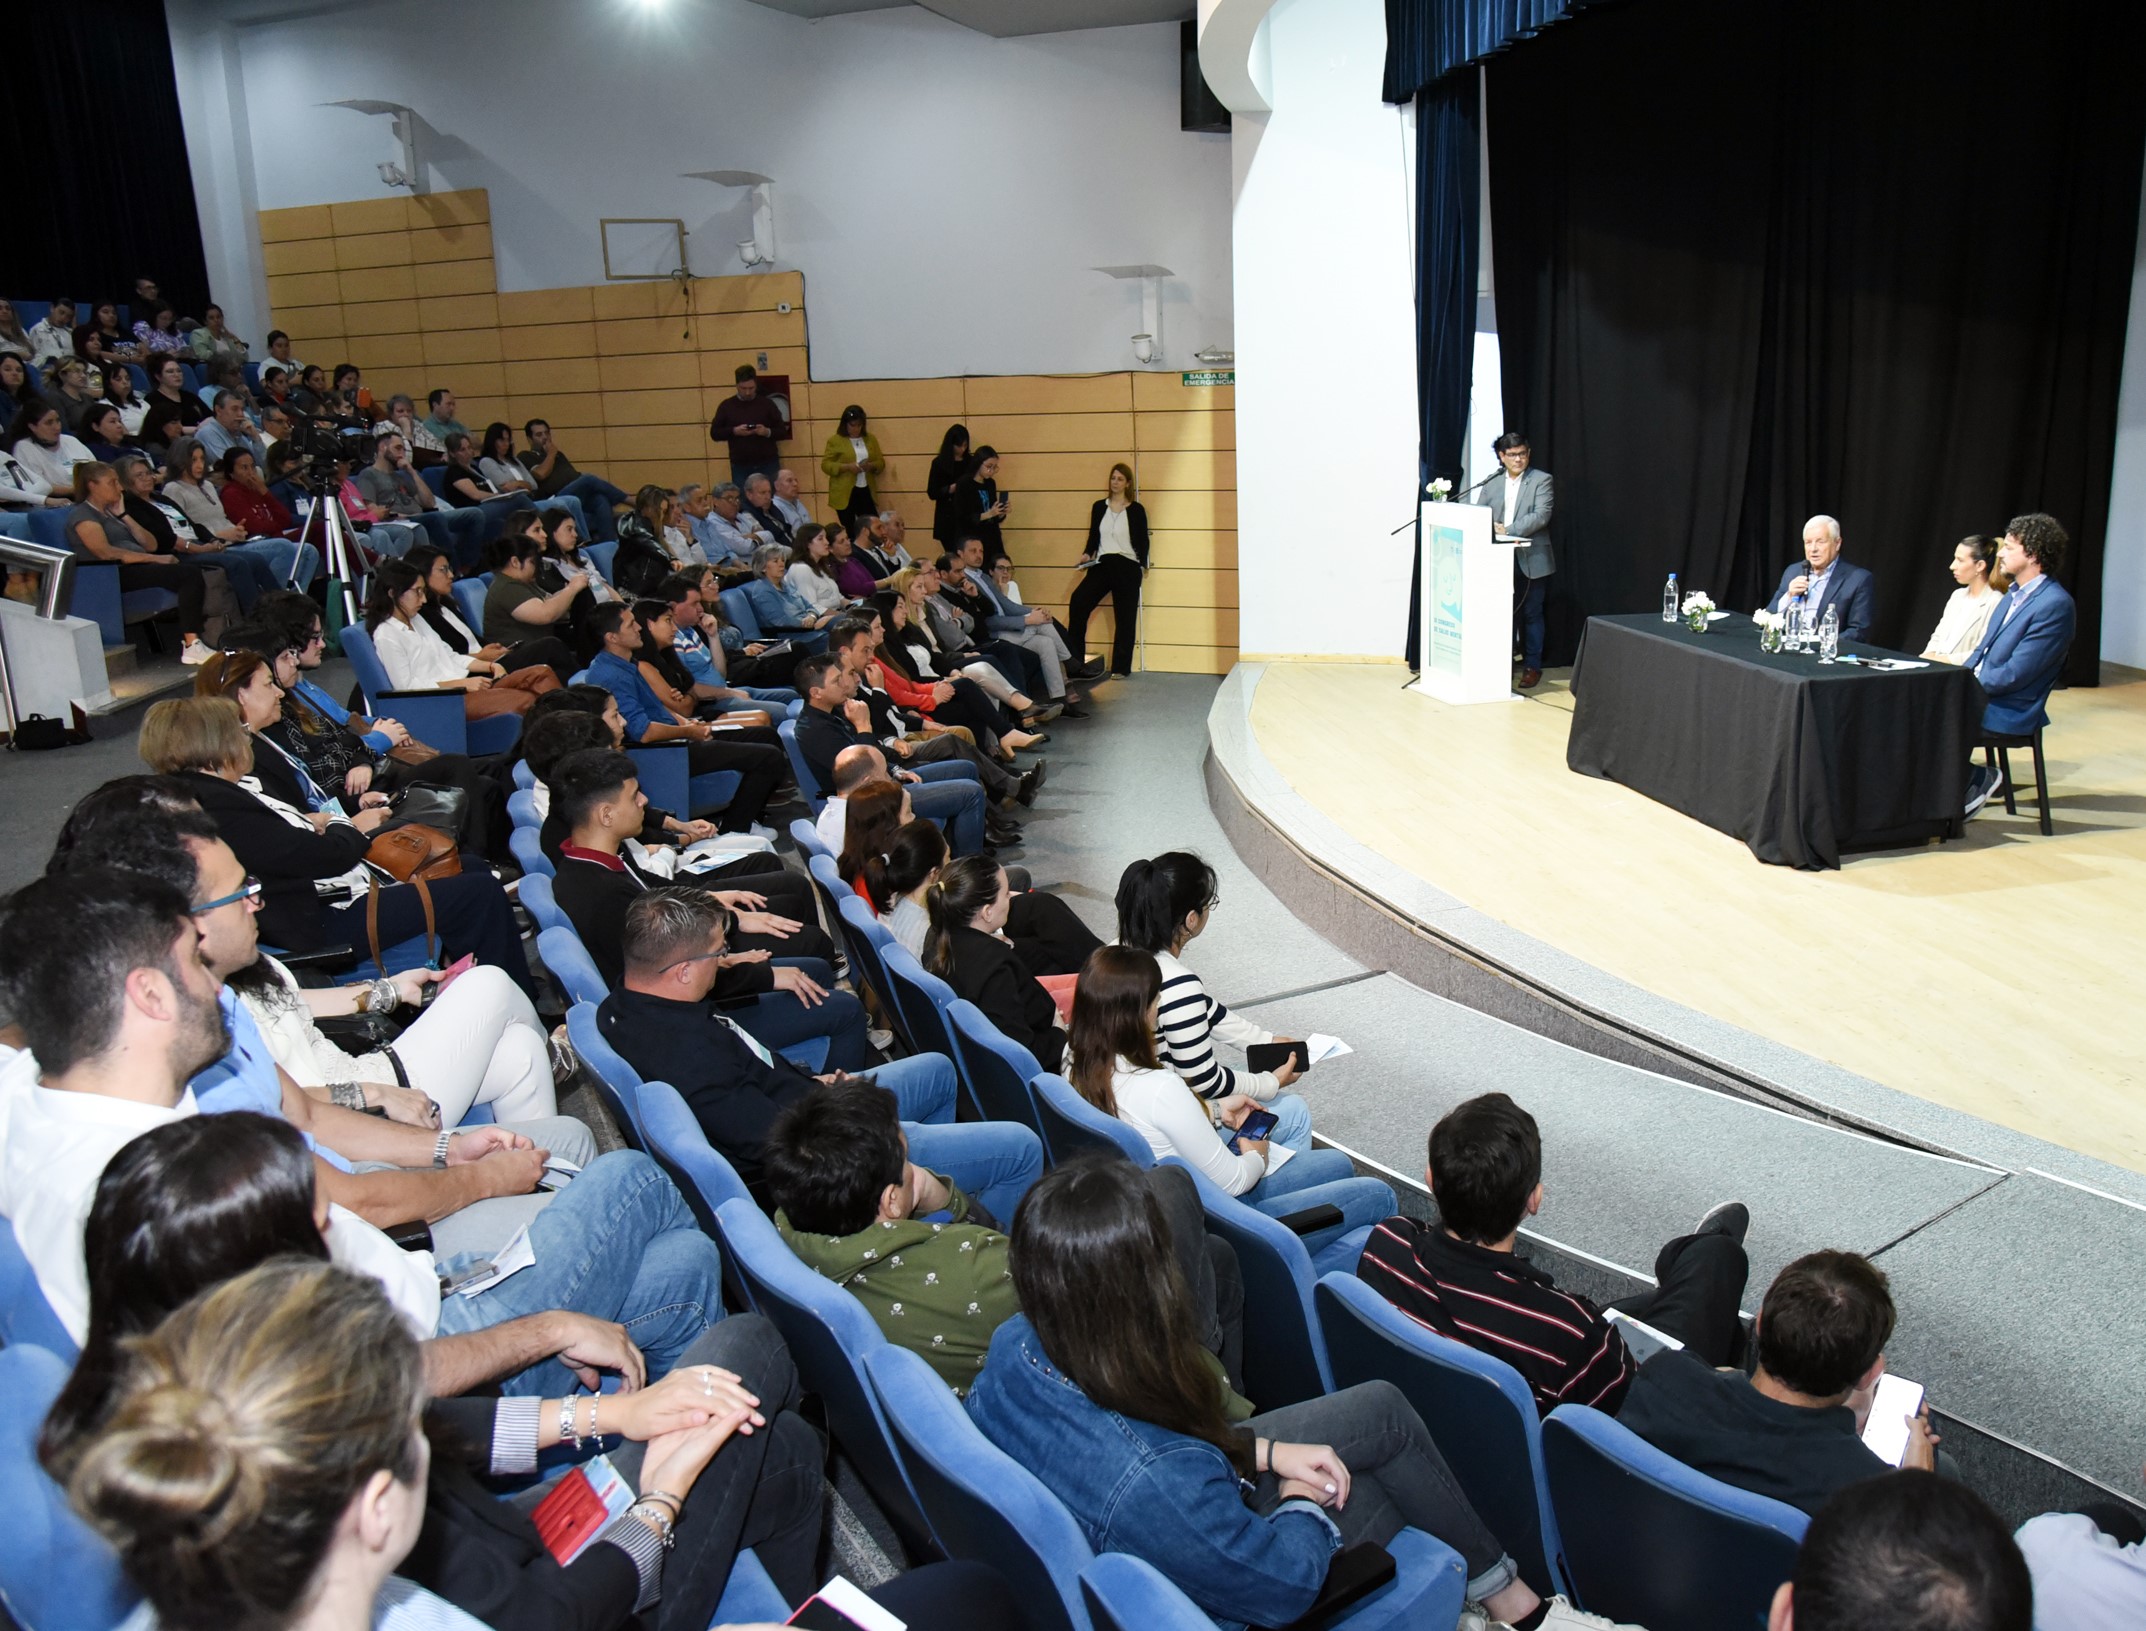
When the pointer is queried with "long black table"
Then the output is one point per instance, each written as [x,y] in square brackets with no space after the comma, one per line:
[1803,761]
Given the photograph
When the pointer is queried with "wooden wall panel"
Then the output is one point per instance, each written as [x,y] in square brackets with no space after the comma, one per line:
[629,374]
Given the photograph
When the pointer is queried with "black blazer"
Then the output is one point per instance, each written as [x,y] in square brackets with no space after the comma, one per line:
[1136,523]
[990,973]
[484,1555]
[285,858]
[821,736]
[943,488]
[971,499]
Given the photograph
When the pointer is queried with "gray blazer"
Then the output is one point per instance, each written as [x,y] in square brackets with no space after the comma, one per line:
[1531,519]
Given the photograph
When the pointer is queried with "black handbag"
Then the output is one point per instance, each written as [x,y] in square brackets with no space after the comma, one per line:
[422,804]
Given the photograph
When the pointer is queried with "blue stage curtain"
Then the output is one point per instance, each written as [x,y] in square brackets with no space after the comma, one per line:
[1428,39]
[1448,229]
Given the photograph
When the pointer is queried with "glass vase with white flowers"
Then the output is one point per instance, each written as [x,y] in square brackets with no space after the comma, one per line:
[1697,607]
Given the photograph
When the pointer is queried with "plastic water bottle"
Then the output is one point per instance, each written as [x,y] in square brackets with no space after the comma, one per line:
[1669,599]
[1829,635]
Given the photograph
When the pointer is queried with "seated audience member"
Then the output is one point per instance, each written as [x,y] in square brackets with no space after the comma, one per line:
[1967,612]
[316,893]
[854,766]
[1114,1066]
[967,947]
[833,720]
[697,639]
[1793,1431]
[507,474]
[679,691]
[14,341]
[16,390]
[440,419]
[417,659]
[915,857]
[918,629]
[443,615]
[400,416]
[853,575]
[103,329]
[206,1207]
[1461,1277]
[662,1023]
[99,527]
[1915,1552]
[247,1473]
[2020,656]
[1824,582]
[754,662]
[789,501]
[352,404]
[516,609]
[777,608]
[617,1243]
[762,768]
[855,1205]
[872,813]
[53,335]
[1026,627]
[597,798]
[119,392]
[247,500]
[812,569]
[2089,1568]
[171,408]
[189,483]
[157,332]
[644,560]
[279,354]
[571,721]
[249,574]
[1163,906]
[555,477]
[464,486]
[855,640]
[959,701]
[41,449]
[212,339]
[103,431]
[227,427]
[564,557]
[382,532]
[1099,1388]
[757,497]
[954,613]
[393,490]
[71,385]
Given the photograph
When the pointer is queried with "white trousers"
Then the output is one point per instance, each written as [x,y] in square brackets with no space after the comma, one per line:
[480,1042]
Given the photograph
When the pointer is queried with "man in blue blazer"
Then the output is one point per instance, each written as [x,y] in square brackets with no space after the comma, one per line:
[2025,643]
[1825,580]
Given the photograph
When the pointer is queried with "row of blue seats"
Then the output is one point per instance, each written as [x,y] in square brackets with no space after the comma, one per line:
[1580,1502]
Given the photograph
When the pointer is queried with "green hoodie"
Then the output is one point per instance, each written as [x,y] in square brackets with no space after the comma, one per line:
[937,1289]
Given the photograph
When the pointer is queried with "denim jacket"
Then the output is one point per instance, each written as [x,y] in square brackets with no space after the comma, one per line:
[1159,1495]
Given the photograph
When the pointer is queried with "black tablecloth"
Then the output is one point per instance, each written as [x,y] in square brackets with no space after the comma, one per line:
[1803,761]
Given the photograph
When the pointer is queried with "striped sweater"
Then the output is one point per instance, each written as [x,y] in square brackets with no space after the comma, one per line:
[1188,1024]
[1503,1305]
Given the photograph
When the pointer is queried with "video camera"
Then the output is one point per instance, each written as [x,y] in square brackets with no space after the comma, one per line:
[316,449]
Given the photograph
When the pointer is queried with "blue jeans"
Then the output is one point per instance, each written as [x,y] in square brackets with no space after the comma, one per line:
[776,1019]
[617,1243]
[923,1086]
[462,533]
[280,556]
[994,1161]
[1527,612]
[950,794]
[1322,1178]
[250,573]
[763,696]
[596,497]
[1293,1126]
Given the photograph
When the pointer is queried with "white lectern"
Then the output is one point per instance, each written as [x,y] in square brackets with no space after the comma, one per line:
[1466,641]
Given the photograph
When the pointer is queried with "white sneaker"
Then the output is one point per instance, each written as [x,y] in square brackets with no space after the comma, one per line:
[196,653]
[1562,1616]
[759,831]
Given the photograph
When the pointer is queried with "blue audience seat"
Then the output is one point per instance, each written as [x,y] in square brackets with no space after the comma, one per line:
[807,783]
[524,777]
[827,874]
[522,809]
[1126,1593]
[436,718]
[703,1174]
[1649,1540]
[25,1316]
[56,1573]
[528,853]
[602,557]
[981,1503]
[1427,1593]
[93,586]
[435,477]
[669,786]
[750,1595]
[569,960]
[1072,1127]
[1287,1365]
[995,1068]
[922,998]
[807,838]
[469,601]
[535,893]
[866,939]
[738,613]
[831,1337]
[140,376]
[618,1084]
[1477,1407]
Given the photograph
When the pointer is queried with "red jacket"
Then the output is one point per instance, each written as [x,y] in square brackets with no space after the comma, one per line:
[906,692]
[261,514]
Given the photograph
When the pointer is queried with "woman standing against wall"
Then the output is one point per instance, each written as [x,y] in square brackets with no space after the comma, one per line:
[850,461]
[943,486]
[1114,562]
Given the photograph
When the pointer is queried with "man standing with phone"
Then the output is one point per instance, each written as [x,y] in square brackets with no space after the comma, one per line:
[751,425]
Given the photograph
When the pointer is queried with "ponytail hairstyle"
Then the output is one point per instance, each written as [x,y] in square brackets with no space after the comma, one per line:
[964,888]
[1116,992]
[1095,1274]
[869,824]
[919,850]
[1155,897]
[239,1433]
[893,653]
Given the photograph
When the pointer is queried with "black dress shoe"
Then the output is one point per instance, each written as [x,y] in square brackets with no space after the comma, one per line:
[1094,669]
[1074,710]
[1043,715]
[1004,838]
[1032,782]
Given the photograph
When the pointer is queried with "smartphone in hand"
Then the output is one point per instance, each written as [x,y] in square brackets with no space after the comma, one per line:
[1259,1124]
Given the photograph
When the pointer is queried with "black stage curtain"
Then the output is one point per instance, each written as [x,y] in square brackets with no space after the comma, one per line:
[1867,258]
[100,192]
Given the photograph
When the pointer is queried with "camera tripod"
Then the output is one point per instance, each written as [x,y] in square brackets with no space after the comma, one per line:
[329,530]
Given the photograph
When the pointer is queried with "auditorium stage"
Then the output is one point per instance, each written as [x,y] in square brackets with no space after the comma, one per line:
[1996,975]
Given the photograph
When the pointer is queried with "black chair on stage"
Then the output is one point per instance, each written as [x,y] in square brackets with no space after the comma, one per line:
[1995,754]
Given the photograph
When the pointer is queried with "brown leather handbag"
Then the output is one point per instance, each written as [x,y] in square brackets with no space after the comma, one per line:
[409,855]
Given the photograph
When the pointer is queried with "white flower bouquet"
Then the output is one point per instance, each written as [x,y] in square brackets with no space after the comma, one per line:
[1441,490]
[1697,606]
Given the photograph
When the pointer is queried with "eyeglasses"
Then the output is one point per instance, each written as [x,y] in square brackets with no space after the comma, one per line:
[250,890]
[701,957]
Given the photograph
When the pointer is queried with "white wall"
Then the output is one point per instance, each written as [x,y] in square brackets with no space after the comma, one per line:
[2123,563]
[1323,233]
[945,193]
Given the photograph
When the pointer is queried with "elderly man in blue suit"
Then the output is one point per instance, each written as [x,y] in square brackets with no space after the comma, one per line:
[2025,643]
[1824,581]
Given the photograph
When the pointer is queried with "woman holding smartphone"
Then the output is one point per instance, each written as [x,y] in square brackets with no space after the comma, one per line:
[850,461]
[1229,1141]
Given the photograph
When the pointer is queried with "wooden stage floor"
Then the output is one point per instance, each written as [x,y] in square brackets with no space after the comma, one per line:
[1999,974]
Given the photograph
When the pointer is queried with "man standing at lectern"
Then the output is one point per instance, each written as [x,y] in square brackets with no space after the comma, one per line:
[1520,508]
